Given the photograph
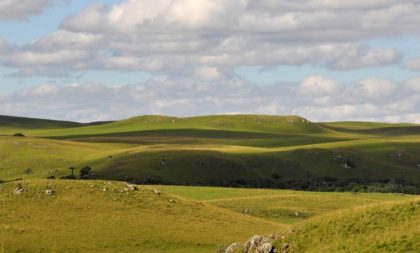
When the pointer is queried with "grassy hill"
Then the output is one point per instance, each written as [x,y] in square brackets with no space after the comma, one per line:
[233,123]
[104,216]
[82,217]
[21,123]
[224,150]
[10,124]
[389,227]
[282,206]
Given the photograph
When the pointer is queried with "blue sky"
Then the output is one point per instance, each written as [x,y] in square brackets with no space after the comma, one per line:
[163,54]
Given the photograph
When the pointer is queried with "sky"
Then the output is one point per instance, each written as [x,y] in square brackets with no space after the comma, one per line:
[326,60]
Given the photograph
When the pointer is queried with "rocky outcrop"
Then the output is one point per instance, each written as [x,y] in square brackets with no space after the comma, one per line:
[234,248]
[256,244]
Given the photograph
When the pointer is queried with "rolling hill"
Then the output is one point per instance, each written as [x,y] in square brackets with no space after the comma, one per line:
[108,216]
[245,151]
[83,217]
[385,227]
[11,124]
[17,123]
[224,150]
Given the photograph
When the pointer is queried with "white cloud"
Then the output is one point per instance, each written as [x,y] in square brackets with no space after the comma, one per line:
[192,49]
[363,57]
[209,73]
[183,37]
[324,100]
[318,86]
[21,9]
[49,58]
[375,88]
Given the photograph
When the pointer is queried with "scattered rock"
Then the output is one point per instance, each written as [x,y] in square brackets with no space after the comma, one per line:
[49,192]
[172,200]
[397,155]
[104,189]
[131,187]
[157,192]
[19,189]
[233,248]
[348,165]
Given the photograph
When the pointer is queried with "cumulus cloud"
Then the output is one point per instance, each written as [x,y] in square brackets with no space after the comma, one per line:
[318,86]
[192,49]
[183,37]
[375,88]
[20,10]
[329,101]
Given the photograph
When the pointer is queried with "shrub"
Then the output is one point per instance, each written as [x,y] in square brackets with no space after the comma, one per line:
[28,171]
[85,172]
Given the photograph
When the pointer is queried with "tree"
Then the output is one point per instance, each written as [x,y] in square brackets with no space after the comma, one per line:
[72,171]
[85,172]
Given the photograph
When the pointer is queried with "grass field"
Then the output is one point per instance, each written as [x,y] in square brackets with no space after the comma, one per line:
[282,206]
[234,150]
[388,227]
[82,217]
[251,151]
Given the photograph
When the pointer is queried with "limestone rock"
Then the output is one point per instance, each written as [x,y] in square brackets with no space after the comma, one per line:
[19,189]
[265,248]
[234,248]
[131,187]
[256,244]
[157,192]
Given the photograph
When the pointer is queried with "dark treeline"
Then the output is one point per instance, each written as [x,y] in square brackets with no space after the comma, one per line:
[319,184]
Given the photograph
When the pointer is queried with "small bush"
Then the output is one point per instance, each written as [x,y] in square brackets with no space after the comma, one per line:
[19,135]
[85,172]
[28,171]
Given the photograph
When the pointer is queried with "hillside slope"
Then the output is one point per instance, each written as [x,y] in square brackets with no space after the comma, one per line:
[99,216]
[391,227]
[17,123]
[225,150]
[232,123]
